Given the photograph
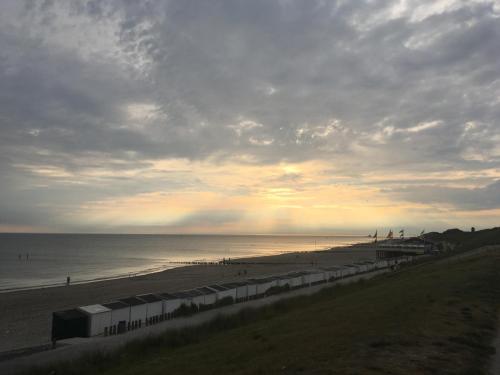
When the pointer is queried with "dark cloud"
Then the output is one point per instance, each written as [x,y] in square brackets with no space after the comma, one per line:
[485,198]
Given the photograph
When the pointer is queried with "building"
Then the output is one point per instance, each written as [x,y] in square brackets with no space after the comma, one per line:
[170,304]
[98,319]
[138,311]
[68,323]
[154,310]
[120,316]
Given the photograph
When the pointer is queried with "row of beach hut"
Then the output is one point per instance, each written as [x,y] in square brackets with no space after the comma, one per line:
[134,312]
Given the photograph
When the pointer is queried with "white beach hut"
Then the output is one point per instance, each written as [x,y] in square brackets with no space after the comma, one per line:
[382,263]
[296,279]
[317,277]
[154,309]
[264,284]
[210,296]
[334,272]
[170,304]
[251,289]
[120,315]
[99,317]
[223,292]
[138,311]
[351,269]
[371,265]
[184,298]
[197,298]
[284,280]
[241,289]
[306,278]
[362,267]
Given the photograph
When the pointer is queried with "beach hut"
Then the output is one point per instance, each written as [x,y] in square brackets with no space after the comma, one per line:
[335,272]
[316,277]
[306,278]
[351,269]
[284,280]
[210,296]
[120,316]
[138,311]
[69,323]
[251,289]
[264,284]
[197,297]
[170,304]
[362,267]
[154,310]
[223,292]
[98,318]
[295,280]
[184,299]
[382,263]
[372,265]
[241,289]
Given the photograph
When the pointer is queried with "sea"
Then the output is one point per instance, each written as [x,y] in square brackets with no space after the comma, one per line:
[43,260]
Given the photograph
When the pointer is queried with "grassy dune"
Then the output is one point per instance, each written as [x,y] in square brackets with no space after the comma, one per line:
[428,319]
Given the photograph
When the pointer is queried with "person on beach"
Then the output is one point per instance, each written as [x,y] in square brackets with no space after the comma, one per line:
[68,279]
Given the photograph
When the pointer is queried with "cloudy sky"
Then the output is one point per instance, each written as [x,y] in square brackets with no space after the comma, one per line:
[249,116]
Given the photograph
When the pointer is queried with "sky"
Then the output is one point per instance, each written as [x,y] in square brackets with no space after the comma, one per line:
[236,116]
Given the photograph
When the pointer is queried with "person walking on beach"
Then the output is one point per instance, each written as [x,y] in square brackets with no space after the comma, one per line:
[68,279]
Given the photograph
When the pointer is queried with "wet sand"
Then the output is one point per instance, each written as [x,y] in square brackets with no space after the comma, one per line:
[25,316]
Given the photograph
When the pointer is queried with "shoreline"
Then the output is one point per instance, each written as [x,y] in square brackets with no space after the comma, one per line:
[164,267]
[25,315]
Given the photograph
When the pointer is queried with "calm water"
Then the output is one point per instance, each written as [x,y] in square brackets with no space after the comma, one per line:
[31,260]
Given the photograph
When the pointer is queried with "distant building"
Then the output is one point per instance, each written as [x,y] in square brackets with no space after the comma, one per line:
[408,246]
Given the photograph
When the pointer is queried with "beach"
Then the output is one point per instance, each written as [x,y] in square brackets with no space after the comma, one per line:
[25,316]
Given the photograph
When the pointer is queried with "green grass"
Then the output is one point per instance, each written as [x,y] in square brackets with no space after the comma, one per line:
[430,319]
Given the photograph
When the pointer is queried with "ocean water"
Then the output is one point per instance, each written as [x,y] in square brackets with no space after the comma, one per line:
[35,260]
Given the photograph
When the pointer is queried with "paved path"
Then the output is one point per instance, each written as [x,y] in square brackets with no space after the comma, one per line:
[75,348]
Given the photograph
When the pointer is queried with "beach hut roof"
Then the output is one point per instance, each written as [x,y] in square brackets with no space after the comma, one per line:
[205,290]
[183,294]
[333,268]
[94,309]
[133,301]
[263,280]
[115,305]
[168,296]
[295,274]
[149,297]
[218,288]
[69,314]
[194,293]
[234,284]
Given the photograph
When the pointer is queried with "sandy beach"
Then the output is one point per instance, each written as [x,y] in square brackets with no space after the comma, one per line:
[25,316]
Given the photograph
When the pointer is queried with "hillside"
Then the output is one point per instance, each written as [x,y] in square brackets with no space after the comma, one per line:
[467,240]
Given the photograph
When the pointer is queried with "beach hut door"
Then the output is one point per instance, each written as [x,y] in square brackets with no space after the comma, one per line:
[122,326]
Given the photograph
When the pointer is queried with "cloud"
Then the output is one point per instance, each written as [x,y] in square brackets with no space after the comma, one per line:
[482,198]
[367,87]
